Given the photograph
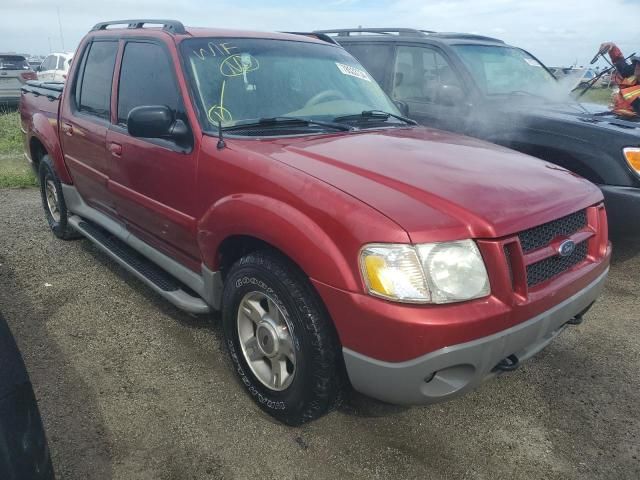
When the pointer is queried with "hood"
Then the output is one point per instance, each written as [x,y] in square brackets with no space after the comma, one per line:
[543,114]
[437,185]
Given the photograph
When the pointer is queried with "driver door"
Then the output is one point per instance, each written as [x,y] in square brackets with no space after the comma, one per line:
[153,181]
[426,81]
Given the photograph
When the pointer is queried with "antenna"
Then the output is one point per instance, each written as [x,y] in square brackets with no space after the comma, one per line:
[60,27]
[221,143]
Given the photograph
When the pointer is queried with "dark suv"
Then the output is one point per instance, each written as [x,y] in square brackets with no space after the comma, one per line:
[482,87]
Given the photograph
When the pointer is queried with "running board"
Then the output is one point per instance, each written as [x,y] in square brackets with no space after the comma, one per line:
[156,278]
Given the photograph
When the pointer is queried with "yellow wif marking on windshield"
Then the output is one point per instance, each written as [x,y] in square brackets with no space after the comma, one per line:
[218,113]
[215,49]
[237,65]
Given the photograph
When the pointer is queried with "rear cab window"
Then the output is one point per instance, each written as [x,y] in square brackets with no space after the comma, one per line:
[13,62]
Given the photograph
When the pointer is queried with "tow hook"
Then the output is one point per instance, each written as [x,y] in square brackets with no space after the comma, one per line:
[508,364]
[577,320]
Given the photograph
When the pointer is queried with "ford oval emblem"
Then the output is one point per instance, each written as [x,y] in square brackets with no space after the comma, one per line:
[566,248]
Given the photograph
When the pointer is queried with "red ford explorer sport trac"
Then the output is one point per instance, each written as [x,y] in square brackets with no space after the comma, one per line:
[267,176]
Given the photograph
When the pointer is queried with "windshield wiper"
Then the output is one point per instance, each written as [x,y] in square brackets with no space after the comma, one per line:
[270,121]
[375,114]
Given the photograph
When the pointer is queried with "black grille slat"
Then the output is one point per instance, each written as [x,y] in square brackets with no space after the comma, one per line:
[550,267]
[507,254]
[542,235]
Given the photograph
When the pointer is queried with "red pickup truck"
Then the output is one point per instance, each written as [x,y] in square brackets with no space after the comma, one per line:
[267,176]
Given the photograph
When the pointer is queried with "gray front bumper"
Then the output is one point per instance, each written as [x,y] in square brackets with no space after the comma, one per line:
[623,208]
[451,371]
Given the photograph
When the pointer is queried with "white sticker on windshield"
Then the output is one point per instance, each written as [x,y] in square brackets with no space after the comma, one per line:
[353,71]
[532,62]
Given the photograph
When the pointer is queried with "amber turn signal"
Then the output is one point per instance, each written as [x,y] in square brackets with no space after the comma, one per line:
[632,155]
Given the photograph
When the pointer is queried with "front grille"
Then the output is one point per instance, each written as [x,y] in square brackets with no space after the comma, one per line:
[550,267]
[507,254]
[541,236]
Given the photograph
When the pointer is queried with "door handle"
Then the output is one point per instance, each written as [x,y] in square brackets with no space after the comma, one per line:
[67,129]
[115,149]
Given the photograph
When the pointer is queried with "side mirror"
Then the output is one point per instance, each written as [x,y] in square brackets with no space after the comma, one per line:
[450,95]
[403,107]
[155,121]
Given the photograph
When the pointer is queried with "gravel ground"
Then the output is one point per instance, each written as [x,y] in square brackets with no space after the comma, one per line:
[131,388]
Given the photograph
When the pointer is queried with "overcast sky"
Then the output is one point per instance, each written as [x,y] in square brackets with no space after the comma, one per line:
[556,31]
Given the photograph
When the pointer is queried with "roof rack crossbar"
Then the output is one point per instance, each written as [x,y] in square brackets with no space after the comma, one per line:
[468,36]
[319,35]
[172,26]
[345,32]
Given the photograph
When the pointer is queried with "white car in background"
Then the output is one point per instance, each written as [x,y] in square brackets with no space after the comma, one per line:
[55,67]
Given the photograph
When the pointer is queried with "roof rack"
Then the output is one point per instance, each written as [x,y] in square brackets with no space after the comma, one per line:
[319,35]
[466,36]
[411,32]
[172,26]
[345,32]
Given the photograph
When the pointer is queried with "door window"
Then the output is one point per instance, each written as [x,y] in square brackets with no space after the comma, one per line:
[146,79]
[424,75]
[49,63]
[374,57]
[95,88]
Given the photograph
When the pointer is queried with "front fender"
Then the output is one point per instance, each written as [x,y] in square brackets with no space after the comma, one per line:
[282,226]
[45,130]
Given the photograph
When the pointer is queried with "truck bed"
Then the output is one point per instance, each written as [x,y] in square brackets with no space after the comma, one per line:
[51,90]
[39,98]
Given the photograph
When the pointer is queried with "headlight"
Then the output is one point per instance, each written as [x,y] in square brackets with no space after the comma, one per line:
[455,271]
[427,273]
[394,272]
[632,155]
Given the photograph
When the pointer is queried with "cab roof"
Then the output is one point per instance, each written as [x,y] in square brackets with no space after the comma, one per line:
[177,29]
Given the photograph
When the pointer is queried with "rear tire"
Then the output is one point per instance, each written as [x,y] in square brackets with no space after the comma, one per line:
[281,340]
[55,208]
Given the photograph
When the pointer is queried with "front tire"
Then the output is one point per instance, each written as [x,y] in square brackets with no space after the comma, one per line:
[280,338]
[55,208]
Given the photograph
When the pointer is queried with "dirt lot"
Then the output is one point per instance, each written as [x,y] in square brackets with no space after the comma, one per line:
[131,388]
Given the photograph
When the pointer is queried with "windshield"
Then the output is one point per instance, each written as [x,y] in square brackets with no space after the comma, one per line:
[13,62]
[506,70]
[239,80]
